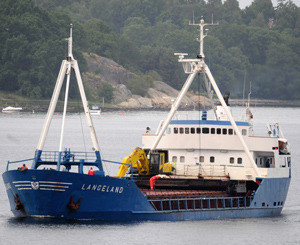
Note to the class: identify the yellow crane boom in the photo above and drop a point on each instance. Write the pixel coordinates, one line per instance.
(137, 159)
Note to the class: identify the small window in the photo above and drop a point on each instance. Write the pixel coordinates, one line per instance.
(201, 159)
(192, 130)
(174, 159)
(175, 130)
(244, 132)
(218, 131)
(168, 130)
(181, 130)
(274, 204)
(187, 130)
(231, 159)
(224, 130)
(212, 159)
(182, 159)
(205, 130)
(212, 130)
(278, 203)
(263, 204)
(230, 131)
(240, 160)
(198, 130)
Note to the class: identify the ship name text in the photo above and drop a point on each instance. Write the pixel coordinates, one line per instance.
(102, 188)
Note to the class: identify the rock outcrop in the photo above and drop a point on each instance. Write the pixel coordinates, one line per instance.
(110, 71)
(160, 96)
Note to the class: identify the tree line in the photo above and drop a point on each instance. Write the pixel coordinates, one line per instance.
(259, 43)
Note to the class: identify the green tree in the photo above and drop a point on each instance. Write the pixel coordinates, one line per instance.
(105, 91)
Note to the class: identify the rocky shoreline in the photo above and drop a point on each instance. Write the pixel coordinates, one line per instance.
(233, 102)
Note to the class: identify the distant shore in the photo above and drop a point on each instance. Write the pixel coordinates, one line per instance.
(42, 105)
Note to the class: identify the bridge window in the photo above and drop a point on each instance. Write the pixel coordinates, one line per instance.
(224, 130)
(182, 158)
(230, 131)
(198, 130)
(212, 130)
(205, 130)
(212, 159)
(218, 131)
(192, 130)
(168, 130)
(181, 130)
(201, 159)
(231, 159)
(175, 130)
(187, 130)
(240, 160)
(174, 159)
(244, 132)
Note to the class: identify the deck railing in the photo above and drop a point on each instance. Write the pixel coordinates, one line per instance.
(201, 170)
(73, 156)
(21, 162)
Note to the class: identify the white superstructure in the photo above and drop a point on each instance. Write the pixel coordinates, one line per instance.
(220, 148)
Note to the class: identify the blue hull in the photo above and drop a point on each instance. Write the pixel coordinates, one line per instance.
(49, 193)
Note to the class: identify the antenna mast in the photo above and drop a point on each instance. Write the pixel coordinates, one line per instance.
(202, 35)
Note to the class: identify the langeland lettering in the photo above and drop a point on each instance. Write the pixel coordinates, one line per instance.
(102, 188)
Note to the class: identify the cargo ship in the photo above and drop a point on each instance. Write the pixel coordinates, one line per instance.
(188, 170)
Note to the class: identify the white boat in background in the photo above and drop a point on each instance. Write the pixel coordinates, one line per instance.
(12, 109)
(95, 110)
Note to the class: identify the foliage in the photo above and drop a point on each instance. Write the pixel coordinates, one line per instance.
(261, 41)
(105, 91)
(140, 84)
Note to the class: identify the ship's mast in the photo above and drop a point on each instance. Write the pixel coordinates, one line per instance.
(193, 67)
(67, 65)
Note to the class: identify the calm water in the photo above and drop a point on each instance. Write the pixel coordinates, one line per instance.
(118, 135)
